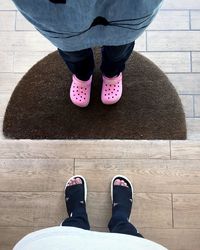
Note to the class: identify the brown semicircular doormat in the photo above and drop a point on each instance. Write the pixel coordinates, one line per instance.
(40, 107)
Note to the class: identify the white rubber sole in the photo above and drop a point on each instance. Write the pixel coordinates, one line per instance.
(118, 176)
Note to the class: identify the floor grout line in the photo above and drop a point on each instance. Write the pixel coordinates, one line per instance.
(172, 203)
(194, 106)
(74, 170)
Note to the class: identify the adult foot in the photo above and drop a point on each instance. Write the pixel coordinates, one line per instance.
(74, 181)
(120, 183)
(75, 194)
(122, 196)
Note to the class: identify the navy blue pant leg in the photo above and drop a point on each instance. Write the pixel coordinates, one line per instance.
(114, 58)
(81, 63)
(79, 219)
(117, 224)
(120, 224)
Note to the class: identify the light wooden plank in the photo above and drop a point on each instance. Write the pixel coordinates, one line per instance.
(150, 210)
(187, 102)
(173, 40)
(186, 210)
(142, 149)
(23, 61)
(32, 209)
(7, 87)
(140, 43)
(48, 209)
(8, 81)
(197, 105)
(9, 236)
(186, 83)
(7, 20)
(1, 129)
(4, 98)
(7, 5)
(35, 175)
(6, 61)
(174, 239)
(24, 40)
(195, 19)
(181, 4)
(195, 61)
(22, 23)
(185, 149)
(165, 20)
(193, 128)
(170, 62)
(155, 176)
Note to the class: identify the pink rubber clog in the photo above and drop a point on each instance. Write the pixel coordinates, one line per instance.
(80, 91)
(111, 89)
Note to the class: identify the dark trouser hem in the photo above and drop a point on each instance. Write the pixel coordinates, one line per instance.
(114, 58)
(119, 224)
(81, 62)
(79, 219)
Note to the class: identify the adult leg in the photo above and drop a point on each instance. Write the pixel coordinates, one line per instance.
(79, 219)
(81, 62)
(119, 224)
(75, 203)
(121, 209)
(114, 58)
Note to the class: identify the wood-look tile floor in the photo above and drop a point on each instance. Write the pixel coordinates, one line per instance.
(165, 174)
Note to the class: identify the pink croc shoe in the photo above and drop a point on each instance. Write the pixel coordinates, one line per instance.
(80, 91)
(111, 89)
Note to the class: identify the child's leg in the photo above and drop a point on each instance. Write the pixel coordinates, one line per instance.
(81, 63)
(114, 58)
